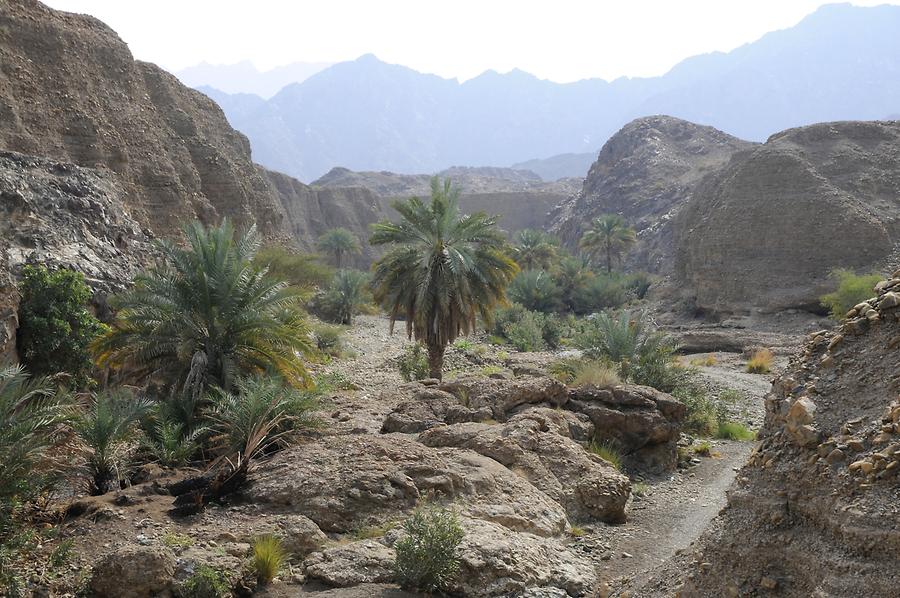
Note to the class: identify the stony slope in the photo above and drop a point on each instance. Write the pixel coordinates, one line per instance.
(765, 231)
(646, 172)
(815, 511)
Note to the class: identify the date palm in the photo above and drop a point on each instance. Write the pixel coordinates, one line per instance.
(338, 243)
(535, 250)
(443, 270)
(609, 235)
(206, 316)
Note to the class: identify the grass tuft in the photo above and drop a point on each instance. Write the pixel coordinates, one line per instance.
(760, 362)
(735, 431)
(607, 451)
(268, 558)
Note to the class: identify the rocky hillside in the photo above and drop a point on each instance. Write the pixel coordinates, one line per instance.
(765, 231)
(815, 511)
(646, 172)
(61, 215)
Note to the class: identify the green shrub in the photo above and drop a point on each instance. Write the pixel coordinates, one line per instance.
(205, 582)
(268, 558)
(599, 292)
(427, 558)
(413, 364)
(551, 330)
(526, 334)
(535, 290)
(606, 450)
(464, 345)
(640, 489)
(638, 284)
(170, 443)
(55, 326)
(504, 316)
(852, 289)
(734, 431)
(702, 417)
(304, 270)
(328, 339)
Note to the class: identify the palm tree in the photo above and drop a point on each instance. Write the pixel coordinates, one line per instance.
(535, 250)
(611, 235)
(571, 277)
(207, 316)
(443, 271)
(31, 414)
(338, 242)
(347, 294)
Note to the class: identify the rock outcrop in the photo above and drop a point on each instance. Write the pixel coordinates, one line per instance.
(134, 572)
(642, 423)
(765, 231)
(646, 172)
(815, 511)
(61, 215)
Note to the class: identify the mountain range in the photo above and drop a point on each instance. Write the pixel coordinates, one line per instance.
(244, 77)
(840, 63)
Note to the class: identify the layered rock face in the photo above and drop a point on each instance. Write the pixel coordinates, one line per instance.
(646, 172)
(61, 215)
(767, 229)
(70, 90)
(815, 511)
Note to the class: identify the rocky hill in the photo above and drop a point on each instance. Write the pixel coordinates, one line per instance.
(646, 172)
(815, 511)
(765, 231)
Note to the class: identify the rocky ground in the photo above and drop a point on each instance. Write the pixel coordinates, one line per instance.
(539, 511)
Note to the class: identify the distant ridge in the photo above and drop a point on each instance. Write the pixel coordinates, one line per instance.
(840, 63)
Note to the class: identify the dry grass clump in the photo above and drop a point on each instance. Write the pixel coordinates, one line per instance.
(760, 362)
(705, 361)
(268, 558)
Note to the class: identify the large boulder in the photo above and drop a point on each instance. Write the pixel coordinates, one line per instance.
(502, 395)
(344, 483)
(134, 572)
(365, 561)
(585, 485)
(643, 423)
(429, 407)
(498, 562)
(766, 231)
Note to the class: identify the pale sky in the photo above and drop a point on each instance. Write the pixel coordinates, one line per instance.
(560, 40)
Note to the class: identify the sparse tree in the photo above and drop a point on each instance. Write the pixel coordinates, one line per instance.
(609, 236)
(443, 270)
(339, 243)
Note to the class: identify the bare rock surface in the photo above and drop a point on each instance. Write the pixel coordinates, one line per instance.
(766, 230)
(585, 485)
(372, 479)
(366, 561)
(135, 572)
(501, 396)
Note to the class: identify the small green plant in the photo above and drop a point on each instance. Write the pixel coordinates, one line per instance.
(640, 489)
(463, 345)
(526, 334)
(347, 295)
(61, 553)
(55, 325)
(703, 448)
(176, 540)
(490, 370)
(734, 431)
(170, 444)
(427, 555)
(702, 416)
(576, 531)
(706, 361)
(595, 373)
(413, 364)
(328, 339)
(852, 289)
(760, 362)
(607, 451)
(373, 531)
(205, 582)
(268, 558)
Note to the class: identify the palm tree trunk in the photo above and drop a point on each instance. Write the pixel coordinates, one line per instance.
(608, 256)
(435, 360)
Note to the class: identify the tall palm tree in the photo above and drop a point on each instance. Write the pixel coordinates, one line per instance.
(207, 315)
(535, 250)
(348, 294)
(339, 242)
(610, 235)
(443, 271)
